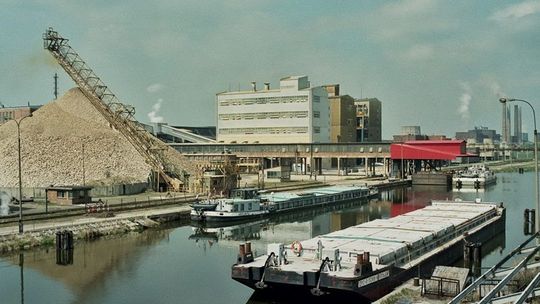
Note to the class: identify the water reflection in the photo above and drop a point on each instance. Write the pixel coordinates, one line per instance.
(192, 264)
(92, 262)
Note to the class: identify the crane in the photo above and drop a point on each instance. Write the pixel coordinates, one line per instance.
(164, 160)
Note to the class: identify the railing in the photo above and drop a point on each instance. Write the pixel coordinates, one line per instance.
(439, 286)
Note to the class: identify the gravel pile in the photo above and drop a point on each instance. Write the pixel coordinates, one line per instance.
(52, 148)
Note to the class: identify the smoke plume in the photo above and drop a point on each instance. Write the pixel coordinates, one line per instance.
(153, 115)
(465, 101)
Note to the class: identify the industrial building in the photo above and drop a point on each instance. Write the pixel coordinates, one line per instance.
(295, 112)
(9, 113)
(479, 135)
(342, 115)
(409, 133)
(368, 120)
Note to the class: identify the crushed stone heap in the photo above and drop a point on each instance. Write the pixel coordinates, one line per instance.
(52, 148)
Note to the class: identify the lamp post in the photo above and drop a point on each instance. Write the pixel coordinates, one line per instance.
(537, 220)
(18, 122)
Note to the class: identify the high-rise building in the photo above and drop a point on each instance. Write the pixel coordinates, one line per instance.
(368, 120)
(296, 112)
(342, 115)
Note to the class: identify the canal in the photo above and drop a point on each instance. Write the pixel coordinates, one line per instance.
(184, 264)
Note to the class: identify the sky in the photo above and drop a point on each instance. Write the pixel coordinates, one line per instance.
(441, 65)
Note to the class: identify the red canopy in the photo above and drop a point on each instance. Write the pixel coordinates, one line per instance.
(429, 149)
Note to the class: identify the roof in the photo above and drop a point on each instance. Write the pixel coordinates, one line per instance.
(438, 142)
(293, 77)
(69, 188)
(429, 149)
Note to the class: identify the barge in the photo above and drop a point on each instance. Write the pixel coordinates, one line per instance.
(249, 203)
(372, 258)
(476, 176)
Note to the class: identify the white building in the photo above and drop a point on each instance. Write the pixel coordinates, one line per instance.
(294, 113)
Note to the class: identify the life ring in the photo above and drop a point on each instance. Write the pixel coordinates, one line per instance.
(296, 247)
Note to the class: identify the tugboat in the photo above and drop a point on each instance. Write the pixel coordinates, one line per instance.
(242, 203)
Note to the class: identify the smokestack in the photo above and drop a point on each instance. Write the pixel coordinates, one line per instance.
(516, 124)
(254, 86)
(267, 86)
(520, 125)
(508, 126)
(503, 122)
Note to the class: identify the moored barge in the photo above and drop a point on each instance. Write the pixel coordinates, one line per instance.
(246, 203)
(372, 258)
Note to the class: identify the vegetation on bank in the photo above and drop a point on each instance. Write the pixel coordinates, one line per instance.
(47, 238)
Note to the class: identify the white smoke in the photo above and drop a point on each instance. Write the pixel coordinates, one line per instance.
(465, 101)
(155, 87)
(153, 115)
(496, 89)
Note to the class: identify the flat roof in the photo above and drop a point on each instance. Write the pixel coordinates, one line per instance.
(68, 188)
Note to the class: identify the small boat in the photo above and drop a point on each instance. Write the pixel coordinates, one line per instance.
(246, 203)
(206, 205)
(476, 176)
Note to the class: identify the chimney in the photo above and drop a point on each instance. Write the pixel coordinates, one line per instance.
(254, 86)
(267, 86)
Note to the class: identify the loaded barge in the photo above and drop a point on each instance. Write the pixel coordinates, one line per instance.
(476, 176)
(246, 203)
(372, 258)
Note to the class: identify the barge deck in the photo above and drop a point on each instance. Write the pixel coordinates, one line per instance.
(372, 258)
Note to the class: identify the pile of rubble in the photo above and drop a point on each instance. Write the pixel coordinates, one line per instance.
(62, 138)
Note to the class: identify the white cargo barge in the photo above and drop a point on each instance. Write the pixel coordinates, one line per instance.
(371, 258)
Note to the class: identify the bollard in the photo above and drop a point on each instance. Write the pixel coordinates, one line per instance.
(248, 247)
(242, 249)
(467, 254)
(532, 220)
(526, 222)
(366, 257)
(477, 259)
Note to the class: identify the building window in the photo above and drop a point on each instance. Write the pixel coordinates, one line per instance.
(263, 100)
(316, 98)
(316, 114)
(316, 129)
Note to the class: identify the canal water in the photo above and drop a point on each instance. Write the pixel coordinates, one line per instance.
(184, 264)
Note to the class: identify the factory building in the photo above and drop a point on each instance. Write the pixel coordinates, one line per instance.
(368, 120)
(295, 112)
(342, 115)
(10, 113)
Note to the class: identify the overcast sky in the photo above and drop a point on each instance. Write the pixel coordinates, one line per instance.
(437, 64)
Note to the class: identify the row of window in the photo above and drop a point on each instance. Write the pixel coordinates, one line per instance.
(290, 130)
(5, 116)
(263, 100)
(265, 115)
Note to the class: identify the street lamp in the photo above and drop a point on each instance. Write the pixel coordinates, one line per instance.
(18, 122)
(537, 220)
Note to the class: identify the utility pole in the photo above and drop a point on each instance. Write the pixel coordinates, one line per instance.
(55, 85)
